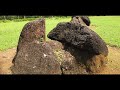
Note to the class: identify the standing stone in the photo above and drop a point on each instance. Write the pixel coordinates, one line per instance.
(34, 56)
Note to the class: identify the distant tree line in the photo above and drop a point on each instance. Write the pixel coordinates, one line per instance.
(12, 17)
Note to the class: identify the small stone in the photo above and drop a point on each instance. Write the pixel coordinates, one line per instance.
(34, 67)
(44, 55)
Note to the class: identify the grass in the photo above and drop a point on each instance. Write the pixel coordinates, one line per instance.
(10, 31)
(108, 27)
(9, 34)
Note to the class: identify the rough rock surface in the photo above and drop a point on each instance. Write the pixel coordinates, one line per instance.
(34, 56)
(33, 31)
(84, 20)
(83, 50)
(79, 36)
(74, 49)
(68, 62)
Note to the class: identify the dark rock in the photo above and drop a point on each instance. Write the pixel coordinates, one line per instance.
(79, 36)
(34, 56)
(83, 50)
(84, 20)
(74, 49)
(69, 63)
(82, 62)
(75, 61)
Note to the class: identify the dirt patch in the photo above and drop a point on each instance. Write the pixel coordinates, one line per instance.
(113, 65)
(6, 60)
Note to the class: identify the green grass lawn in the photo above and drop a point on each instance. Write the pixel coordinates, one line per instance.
(108, 27)
(9, 34)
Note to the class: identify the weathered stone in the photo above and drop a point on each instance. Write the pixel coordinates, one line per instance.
(83, 52)
(79, 36)
(75, 61)
(34, 56)
(68, 62)
(96, 63)
(74, 49)
(33, 31)
(82, 62)
(84, 20)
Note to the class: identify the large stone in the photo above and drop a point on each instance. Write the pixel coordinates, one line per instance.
(74, 49)
(33, 31)
(74, 61)
(68, 62)
(83, 50)
(79, 36)
(34, 56)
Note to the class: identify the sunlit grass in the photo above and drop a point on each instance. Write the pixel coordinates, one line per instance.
(108, 27)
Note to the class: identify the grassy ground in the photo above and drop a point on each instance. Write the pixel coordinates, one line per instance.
(9, 34)
(108, 27)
